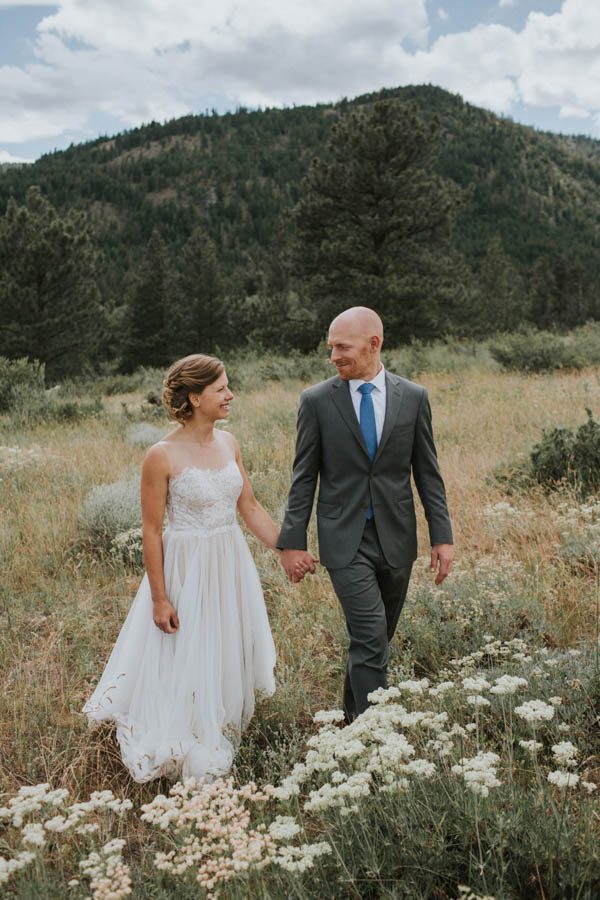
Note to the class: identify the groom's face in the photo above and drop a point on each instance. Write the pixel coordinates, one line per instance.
(351, 353)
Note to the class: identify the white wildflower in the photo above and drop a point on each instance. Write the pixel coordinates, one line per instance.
(421, 768)
(382, 695)
(299, 859)
(508, 684)
(589, 786)
(87, 828)
(113, 846)
(563, 779)
(477, 700)
(441, 688)
(328, 716)
(476, 685)
(284, 828)
(531, 746)
(535, 711)
(414, 687)
(33, 834)
(479, 772)
(565, 753)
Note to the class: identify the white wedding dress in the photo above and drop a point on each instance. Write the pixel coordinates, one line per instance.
(181, 701)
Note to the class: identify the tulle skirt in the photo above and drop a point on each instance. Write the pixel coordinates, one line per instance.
(181, 701)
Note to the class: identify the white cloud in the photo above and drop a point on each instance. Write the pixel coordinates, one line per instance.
(7, 4)
(146, 59)
(442, 14)
(573, 112)
(503, 3)
(6, 157)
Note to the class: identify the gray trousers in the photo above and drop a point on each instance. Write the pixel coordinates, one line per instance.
(372, 595)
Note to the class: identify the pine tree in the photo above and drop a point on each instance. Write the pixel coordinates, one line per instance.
(543, 294)
(49, 301)
(146, 341)
(371, 213)
(200, 323)
(503, 302)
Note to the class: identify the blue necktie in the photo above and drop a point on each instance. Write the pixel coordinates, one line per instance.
(367, 425)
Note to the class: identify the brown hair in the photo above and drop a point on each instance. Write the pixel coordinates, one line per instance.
(189, 375)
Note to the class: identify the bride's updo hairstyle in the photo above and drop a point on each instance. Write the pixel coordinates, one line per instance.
(189, 375)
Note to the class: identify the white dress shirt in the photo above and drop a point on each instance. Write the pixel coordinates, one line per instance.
(377, 394)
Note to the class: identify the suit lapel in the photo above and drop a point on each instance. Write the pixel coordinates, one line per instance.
(393, 401)
(343, 402)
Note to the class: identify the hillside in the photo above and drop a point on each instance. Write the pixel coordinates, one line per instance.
(238, 172)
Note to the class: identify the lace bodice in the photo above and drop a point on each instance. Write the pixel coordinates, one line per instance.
(204, 499)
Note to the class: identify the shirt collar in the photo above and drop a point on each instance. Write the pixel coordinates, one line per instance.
(378, 382)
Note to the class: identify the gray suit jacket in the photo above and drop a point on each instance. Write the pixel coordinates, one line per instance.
(330, 447)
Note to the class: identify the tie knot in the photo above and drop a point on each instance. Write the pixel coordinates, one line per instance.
(366, 388)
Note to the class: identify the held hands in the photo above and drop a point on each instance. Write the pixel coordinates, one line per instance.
(165, 616)
(297, 563)
(442, 556)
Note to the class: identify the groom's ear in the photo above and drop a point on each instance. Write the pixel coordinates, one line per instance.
(375, 342)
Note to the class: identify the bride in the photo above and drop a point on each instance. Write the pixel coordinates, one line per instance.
(196, 645)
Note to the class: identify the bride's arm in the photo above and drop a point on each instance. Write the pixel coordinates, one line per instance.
(254, 515)
(155, 480)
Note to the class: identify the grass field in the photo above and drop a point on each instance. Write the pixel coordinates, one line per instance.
(62, 603)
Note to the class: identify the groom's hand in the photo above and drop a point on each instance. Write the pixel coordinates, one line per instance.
(442, 556)
(297, 563)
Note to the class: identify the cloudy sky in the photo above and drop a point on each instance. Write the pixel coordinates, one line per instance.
(73, 69)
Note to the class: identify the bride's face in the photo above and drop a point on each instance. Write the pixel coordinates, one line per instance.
(213, 402)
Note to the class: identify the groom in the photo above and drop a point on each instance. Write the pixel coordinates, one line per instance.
(360, 434)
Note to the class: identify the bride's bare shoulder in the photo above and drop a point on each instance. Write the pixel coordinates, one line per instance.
(157, 460)
(229, 440)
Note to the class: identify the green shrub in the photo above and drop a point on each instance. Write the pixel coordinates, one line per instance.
(34, 409)
(535, 351)
(586, 340)
(127, 547)
(448, 355)
(143, 379)
(567, 457)
(18, 379)
(112, 509)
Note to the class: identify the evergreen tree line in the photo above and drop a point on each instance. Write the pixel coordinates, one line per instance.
(372, 225)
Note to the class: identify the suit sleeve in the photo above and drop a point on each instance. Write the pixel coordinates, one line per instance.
(428, 478)
(305, 473)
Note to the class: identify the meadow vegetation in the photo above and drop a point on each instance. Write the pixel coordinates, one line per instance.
(476, 774)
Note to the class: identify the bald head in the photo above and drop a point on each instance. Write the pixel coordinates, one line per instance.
(360, 320)
(355, 338)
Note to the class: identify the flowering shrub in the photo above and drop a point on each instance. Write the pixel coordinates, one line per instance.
(579, 528)
(440, 778)
(503, 518)
(59, 824)
(112, 509)
(127, 547)
(489, 597)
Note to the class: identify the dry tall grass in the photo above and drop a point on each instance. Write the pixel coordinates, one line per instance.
(61, 607)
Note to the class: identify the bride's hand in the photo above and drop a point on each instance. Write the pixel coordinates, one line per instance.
(165, 616)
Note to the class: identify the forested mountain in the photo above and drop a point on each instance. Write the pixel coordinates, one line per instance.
(237, 172)
(531, 216)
